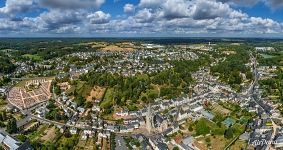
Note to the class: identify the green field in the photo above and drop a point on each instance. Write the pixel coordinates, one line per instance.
(35, 135)
(33, 57)
(81, 88)
(107, 100)
(267, 56)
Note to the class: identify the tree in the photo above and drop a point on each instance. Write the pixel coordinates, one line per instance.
(57, 90)
(51, 105)
(80, 100)
(88, 104)
(191, 128)
(4, 116)
(207, 140)
(202, 128)
(12, 125)
(1, 117)
(88, 117)
(175, 148)
(21, 137)
(229, 133)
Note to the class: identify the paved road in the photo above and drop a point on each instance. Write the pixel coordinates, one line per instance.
(250, 91)
(255, 99)
(23, 121)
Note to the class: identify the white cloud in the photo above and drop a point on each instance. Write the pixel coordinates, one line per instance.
(150, 3)
(175, 9)
(150, 17)
(128, 8)
(268, 23)
(99, 17)
(144, 15)
(17, 6)
(204, 9)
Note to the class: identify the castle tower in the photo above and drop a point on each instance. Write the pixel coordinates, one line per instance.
(149, 119)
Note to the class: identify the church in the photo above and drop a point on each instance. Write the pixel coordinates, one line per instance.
(155, 122)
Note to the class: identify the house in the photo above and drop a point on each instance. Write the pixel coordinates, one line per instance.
(187, 143)
(245, 136)
(207, 115)
(95, 108)
(10, 143)
(279, 142)
(73, 130)
(3, 91)
(252, 109)
(135, 124)
(41, 111)
(130, 128)
(126, 129)
(88, 132)
(156, 144)
(123, 113)
(264, 49)
(62, 128)
(11, 108)
(171, 130)
(133, 113)
(81, 109)
(263, 129)
(183, 114)
(107, 133)
(84, 137)
(229, 122)
(197, 107)
(110, 128)
(141, 121)
(143, 141)
(73, 104)
(65, 98)
(123, 129)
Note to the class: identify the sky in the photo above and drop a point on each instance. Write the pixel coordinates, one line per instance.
(141, 18)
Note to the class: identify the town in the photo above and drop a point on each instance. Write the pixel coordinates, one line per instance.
(139, 95)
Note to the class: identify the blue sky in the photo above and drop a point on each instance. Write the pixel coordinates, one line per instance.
(134, 18)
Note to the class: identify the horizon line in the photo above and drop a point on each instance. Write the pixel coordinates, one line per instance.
(142, 37)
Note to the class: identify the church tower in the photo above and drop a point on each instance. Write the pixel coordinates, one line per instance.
(149, 119)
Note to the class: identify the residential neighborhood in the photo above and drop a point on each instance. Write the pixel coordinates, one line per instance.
(77, 97)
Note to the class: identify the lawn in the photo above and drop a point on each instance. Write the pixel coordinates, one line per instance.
(215, 139)
(86, 144)
(33, 57)
(81, 88)
(49, 135)
(215, 142)
(2, 104)
(107, 100)
(37, 134)
(238, 145)
(65, 143)
(267, 56)
(218, 142)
